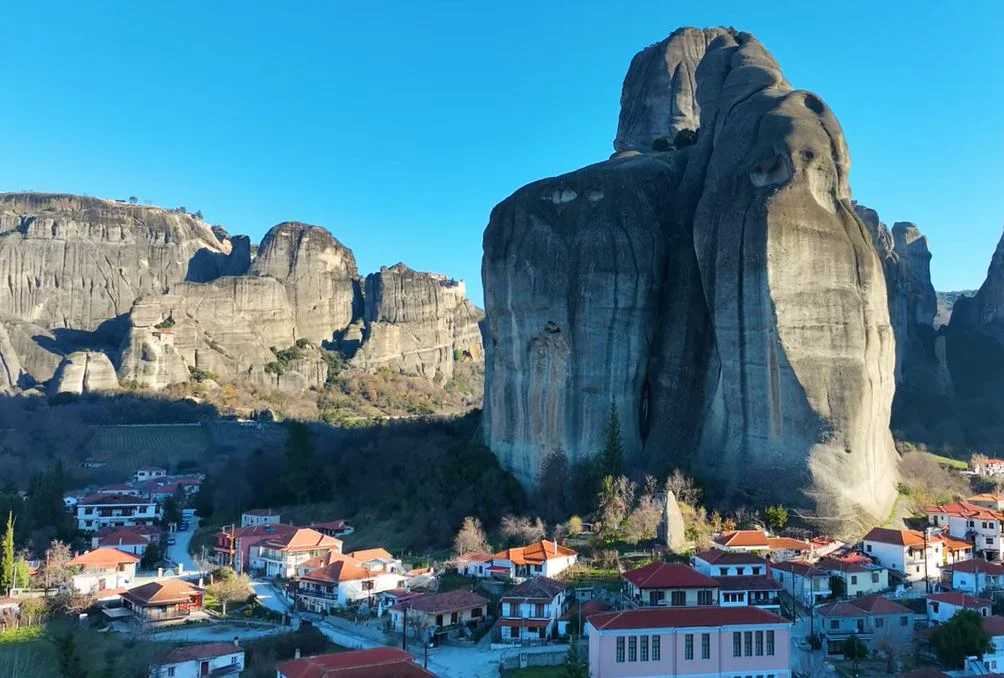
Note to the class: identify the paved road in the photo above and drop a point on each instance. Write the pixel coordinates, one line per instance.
(178, 552)
(268, 597)
(216, 633)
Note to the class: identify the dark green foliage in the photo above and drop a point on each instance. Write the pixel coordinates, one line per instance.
(776, 516)
(172, 511)
(302, 343)
(165, 324)
(275, 368)
(854, 649)
(260, 654)
(7, 572)
(303, 475)
(70, 665)
(611, 460)
(198, 374)
(575, 665)
(684, 138)
(661, 144)
(335, 367)
(961, 636)
(152, 555)
(838, 588)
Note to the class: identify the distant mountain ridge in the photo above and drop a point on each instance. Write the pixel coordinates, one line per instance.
(946, 304)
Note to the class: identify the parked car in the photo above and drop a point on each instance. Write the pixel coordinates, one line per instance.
(171, 541)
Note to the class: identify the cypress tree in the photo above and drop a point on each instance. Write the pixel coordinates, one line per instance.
(612, 456)
(7, 573)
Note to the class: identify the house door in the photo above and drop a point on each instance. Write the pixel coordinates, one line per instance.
(204, 668)
(653, 597)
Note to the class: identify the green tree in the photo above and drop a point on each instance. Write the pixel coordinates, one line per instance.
(22, 575)
(838, 588)
(70, 665)
(7, 573)
(152, 555)
(172, 512)
(684, 138)
(855, 650)
(612, 455)
(575, 666)
(776, 516)
(961, 636)
(303, 477)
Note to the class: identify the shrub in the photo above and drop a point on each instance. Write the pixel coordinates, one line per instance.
(661, 144)
(684, 138)
(302, 342)
(275, 368)
(165, 324)
(200, 375)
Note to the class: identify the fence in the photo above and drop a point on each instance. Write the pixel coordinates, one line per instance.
(552, 655)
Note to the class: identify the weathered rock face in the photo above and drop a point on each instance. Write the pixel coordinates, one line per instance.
(984, 311)
(319, 274)
(417, 322)
(10, 364)
(657, 99)
(727, 288)
(85, 372)
(74, 262)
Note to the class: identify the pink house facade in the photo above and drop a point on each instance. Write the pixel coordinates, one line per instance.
(736, 642)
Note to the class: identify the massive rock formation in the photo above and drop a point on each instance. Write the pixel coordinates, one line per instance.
(658, 96)
(419, 322)
(85, 372)
(319, 274)
(984, 311)
(724, 296)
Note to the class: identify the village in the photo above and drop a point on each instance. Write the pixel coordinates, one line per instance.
(757, 599)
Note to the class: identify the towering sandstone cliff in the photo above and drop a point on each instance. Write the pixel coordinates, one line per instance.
(724, 296)
(98, 287)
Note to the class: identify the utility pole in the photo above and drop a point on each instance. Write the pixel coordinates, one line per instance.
(927, 581)
(404, 628)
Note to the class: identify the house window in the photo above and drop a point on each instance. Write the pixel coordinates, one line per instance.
(705, 646)
(990, 541)
(759, 643)
(643, 655)
(879, 622)
(538, 610)
(756, 569)
(861, 625)
(704, 598)
(748, 643)
(770, 643)
(723, 571)
(854, 579)
(633, 649)
(875, 577)
(688, 646)
(476, 613)
(170, 671)
(620, 649)
(678, 598)
(454, 617)
(656, 648)
(903, 621)
(737, 644)
(868, 548)
(514, 633)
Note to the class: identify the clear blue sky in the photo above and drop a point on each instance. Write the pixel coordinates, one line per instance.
(398, 125)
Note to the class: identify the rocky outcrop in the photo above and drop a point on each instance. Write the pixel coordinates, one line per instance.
(318, 272)
(658, 98)
(10, 364)
(983, 313)
(74, 262)
(946, 304)
(420, 323)
(85, 372)
(724, 296)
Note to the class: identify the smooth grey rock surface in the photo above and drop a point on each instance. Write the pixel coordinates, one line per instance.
(85, 372)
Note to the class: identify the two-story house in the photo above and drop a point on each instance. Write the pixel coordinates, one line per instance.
(980, 526)
(760, 590)
(859, 574)
(333, 528)
(439, 612)
(543, 558)
(260, 517)
(802, 580)
(993, 662)
(670, 584)
(473, 564)
(530, 611)
(721, 563)
(340, 581)
(761, 543)
(975, 576)
(280, 555)
(987, 466)
(379, 560)
(116, 510)
(911, 554)
(135, 539)
(232, 545)
(145, 473)
(870, 618)
(942, 606)
(699, 642)
(196, 661)
(163, 600)
(101, 569)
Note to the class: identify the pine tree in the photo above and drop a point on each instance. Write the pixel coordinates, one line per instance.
(612, 456)
(7, 572)
(574, 666)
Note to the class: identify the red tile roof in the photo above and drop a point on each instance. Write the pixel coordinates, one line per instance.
(334, 525)
(743, 538)
(378, 662)
(837, 565)
(855, 607)
(681, 617)
(959, 599)
(538, 588)
(994, 625)
(660, 575)
(340, 568)
(104, 558)
(800, 567)
(202, 651)
(161, 592)
(975, 565)
(278, 529)
(787, 543)
(123, 536)
(474, 557)
(304, 539)
(748, 582)
(721, 557)
(373, 554)
(590, 607)
(103, 499)
(436, 603)
(885, 535)
(966, 510)
(535, 553)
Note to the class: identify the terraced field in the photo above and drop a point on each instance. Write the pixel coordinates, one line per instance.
(149, 444)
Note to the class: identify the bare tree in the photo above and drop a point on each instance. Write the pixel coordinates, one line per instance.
(615, 502)
(683, 489)
(55, 570)
(522, 529)
(643, 521)
(471, 537)
(812, 666)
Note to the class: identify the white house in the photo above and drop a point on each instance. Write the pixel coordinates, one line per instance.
(980, 526)
(530, 611)
(115, 510)
(942, 606)
(987, 466)
(149, 473)
(543, 558)
(195, 661)
(281, 555)
(802, 580)
(759, 542)
(259, 517)
(342, 581)
(860, 576)
(721, 563)
(910, 553)
(993, 662)
(103, 568)
(474, 564)
(974, 576)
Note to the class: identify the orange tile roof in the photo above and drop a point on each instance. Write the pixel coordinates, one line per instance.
(535, 553)
(161, 592)
(885, 535)
(953, 544)
(373, 554)
(341, 568)
(681, 617)
(104, 558)
(744, 538)
(870, 604)
(959, 599)
(776, 543)
(474, 557)
(668, 576)
(377, 662)
(966, 510)
(304, 539)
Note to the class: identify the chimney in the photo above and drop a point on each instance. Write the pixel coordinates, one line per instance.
(296, 653)
(237, 641)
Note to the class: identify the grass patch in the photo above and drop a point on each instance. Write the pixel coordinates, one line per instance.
(539, 672)
(23, 634)
(452, 581)
(957, 464)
